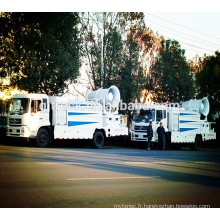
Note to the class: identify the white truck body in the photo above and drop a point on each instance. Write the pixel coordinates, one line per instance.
(63, 118)
(182, 124)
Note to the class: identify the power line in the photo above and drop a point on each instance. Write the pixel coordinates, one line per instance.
(195, 46)
(184, 37)
(197, 51)
(180, 32)
(184, 33)
(192, 45)
(183, 26)
(186, 47)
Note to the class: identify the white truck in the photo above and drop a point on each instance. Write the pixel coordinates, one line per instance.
(184, 123)
(56, 117)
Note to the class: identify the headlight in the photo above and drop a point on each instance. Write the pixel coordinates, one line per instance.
(22, 130)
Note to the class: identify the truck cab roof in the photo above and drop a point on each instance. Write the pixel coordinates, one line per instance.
(31, 96)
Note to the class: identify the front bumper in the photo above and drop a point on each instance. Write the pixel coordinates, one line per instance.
(18, 131)
(138, 136)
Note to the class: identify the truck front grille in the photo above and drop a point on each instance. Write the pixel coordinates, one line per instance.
(140, 128)
(14, 121)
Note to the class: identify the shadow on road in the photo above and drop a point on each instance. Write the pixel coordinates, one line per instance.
(95, 159)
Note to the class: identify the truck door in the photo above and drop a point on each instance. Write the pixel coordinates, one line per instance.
(39, 113)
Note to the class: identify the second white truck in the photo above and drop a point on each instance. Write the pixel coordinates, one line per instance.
(183, 123)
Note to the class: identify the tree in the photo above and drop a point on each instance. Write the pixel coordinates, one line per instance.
(113, 60)
(171, 77)
(46, 48)
(196, 64)
(208, 82)
(131, 75)
(8, 56)
(94, 27)
(119, 30)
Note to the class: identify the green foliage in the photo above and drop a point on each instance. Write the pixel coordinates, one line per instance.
(121, 66)
(8, 56)
(4, 106)
(131, 74)
(171, 75)
(46, 50)
(113, 57)
(208, 82)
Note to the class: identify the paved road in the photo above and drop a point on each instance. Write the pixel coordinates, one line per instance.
(85, 177)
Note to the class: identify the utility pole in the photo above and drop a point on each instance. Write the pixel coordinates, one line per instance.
(102, 51)
(101, 20)
(102, 60)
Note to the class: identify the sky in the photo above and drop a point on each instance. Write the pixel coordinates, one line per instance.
(198, 33)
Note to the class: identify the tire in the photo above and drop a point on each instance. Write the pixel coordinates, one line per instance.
(43, 138)
(98, 140)
(197, 144)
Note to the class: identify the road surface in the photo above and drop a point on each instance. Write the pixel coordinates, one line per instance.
(110, 177)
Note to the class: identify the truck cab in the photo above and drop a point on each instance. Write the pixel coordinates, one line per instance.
(27, 114)
(142, 116)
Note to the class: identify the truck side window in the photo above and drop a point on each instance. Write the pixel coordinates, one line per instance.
(159, 115)
(32, 106)
(45, 104)
(164, 113)
(38, 104)
(35, 106)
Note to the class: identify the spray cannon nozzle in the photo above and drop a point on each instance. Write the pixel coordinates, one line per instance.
(202, 105)
(110, 96)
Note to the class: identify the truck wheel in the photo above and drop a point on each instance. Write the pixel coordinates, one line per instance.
(197, 144)
(98, 139)
(42, 138)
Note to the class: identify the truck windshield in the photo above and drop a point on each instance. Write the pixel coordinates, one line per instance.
(19, 106)
(144, 115)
